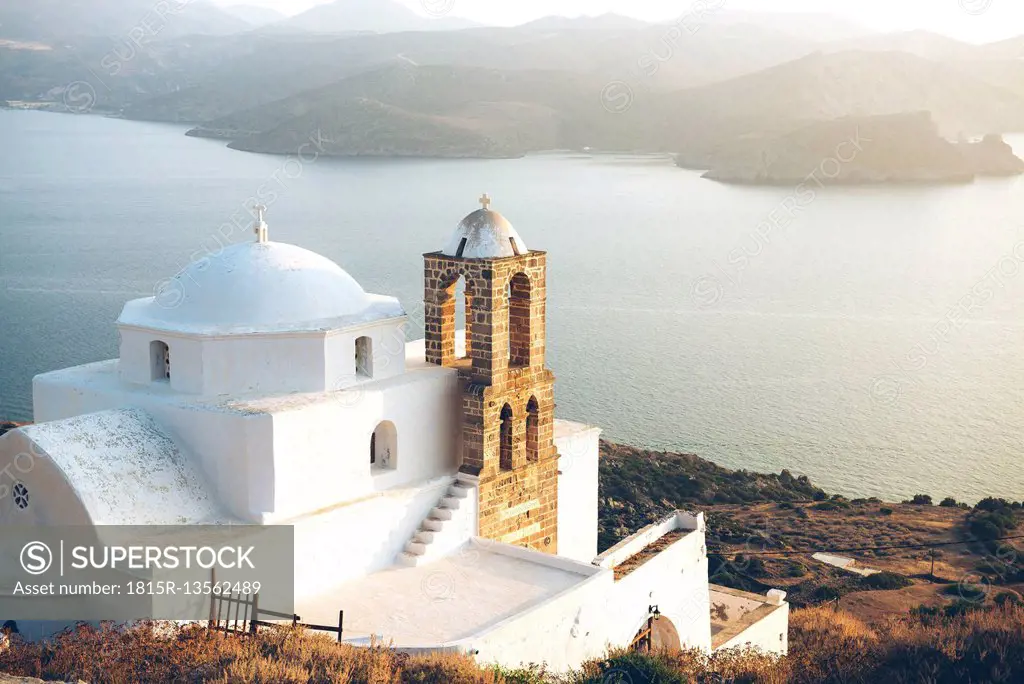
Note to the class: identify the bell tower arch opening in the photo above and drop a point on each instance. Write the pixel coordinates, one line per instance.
(519, 319)
(506, 439)
(532, 430)
(454, 307)
(508, 391)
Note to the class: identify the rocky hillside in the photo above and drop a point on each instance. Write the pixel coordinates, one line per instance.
(638, 486)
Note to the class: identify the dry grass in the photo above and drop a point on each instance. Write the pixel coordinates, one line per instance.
(825, 646)
(194, 654)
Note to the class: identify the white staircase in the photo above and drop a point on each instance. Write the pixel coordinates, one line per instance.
(447, 526)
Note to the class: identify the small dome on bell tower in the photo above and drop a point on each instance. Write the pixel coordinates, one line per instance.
(485, 234)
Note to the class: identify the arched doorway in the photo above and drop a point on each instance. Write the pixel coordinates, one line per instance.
(656, 634)
(384, 447)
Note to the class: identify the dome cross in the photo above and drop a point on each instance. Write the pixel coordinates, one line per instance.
(260, 228)
(485, 202)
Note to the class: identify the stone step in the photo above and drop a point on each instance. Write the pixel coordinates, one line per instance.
(409, 560)
(441, 513)
(433, 524)
(424, 536)
(415, 548)
(451, 502)
(459, 491)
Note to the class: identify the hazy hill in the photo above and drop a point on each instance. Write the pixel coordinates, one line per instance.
(924, 44)
(263, 68)
(50, 20)
(830, 86)
(254, 15)
(406, 110)
(818, 27)
(378, 16)
(603, 22)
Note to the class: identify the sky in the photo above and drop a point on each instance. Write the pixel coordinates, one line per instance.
(971, 20)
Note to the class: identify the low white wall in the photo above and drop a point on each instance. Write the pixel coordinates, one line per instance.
(769, 634)
(561, 633)
(638, 541)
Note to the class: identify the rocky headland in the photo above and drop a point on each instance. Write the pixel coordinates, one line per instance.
(900, 148)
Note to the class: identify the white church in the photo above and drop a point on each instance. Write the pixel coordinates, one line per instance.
(433, 494)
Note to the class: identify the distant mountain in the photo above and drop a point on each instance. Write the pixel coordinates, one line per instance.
(254, 15)
(830, 86)
(603, 22)
(812, 26)
(50, 20)
(377, 16)
(406, 110)
(924, 44)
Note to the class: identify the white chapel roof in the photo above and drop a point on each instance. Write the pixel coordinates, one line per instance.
(255, 287)
(488, 235)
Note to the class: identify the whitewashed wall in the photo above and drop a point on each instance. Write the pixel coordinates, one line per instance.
(355, 540)
(277, 459)
(55, 500)
(279, 363)
(561, 632)
(227, 445)
(322, 450)
(578, 449)
(676, 580)
(388, 352)
(769, 634)
(586, 620)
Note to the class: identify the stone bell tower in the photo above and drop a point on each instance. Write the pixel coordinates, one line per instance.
(508, 392)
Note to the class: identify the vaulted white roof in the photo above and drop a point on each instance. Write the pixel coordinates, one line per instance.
(125, 470)
(256, 287)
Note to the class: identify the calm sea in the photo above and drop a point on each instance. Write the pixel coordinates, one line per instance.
(869, 338)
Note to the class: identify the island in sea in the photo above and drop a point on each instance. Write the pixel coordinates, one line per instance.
(898, 148)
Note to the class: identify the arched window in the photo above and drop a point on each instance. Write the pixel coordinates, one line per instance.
(160, 361)
(364, 357)
(506, 438)
(533, 430)
(519, 321)
(384, 446)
